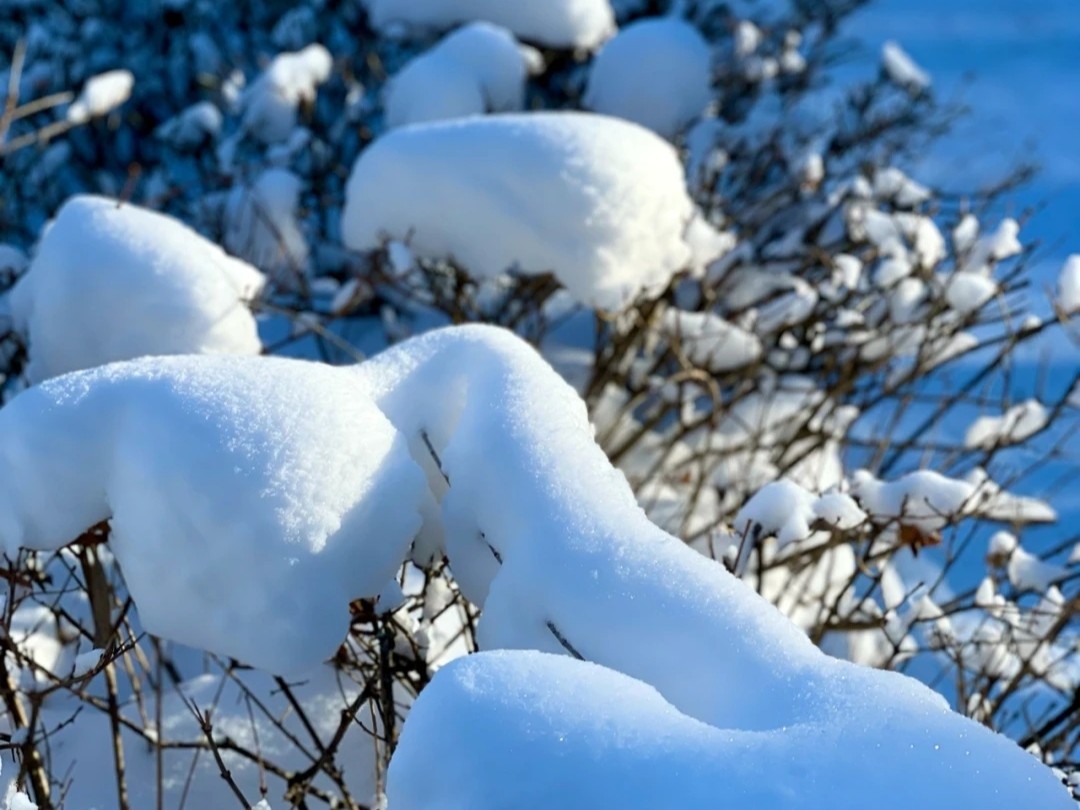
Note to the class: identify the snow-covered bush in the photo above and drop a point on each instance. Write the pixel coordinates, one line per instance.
(771, 337)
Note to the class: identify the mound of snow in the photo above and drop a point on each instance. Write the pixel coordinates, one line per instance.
(1017, 424)
(270, 104)
(113, 281)
(597, 201)
(477, 69)
(101, 95)
(261, 226)
(249, 499)
(556, 23)
(548, 731)
(655, 73)
(1068, 285)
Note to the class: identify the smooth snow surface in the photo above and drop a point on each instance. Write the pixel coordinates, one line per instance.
(556, 23)
(477, 69)
(654, 73)
(249, 499)
(597, 201)
(113, 281)
(547, 537)
(547, 731)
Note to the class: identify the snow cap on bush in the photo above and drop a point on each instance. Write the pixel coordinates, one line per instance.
(599, 202)
(113, 281)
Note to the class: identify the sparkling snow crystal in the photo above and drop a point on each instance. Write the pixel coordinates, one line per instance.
(113, 281)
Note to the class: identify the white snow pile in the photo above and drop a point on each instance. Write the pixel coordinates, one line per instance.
(271, 103)
(477, 69)
(261, 226)
(1026, 571)
(113, 281)
(902, 70)
(101, 95)
(1017, 424)
(249, 499)
(549, 731)
(597, 201)
(712, 343)
(546, 536)
(655, 73)
(555, 23)
(1068, 286)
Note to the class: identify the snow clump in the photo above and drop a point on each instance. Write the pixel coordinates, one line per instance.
(271, 103)
(249, 499)
(113, 281)
(597, 201)
(101, 95)
(555, 23)
(477, 69)
(654, 73)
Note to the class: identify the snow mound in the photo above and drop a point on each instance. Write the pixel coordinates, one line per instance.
(556, 23)
(547, 537)
(249, 499)
(548, 731)
(477, 69)
(101, 95)
(655, 73)
(597, 201)
(113, 281)
(271, 103)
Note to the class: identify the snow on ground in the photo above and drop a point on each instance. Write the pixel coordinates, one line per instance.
(478, 68)
(249, 499)
(571, 734)
(597, 201)
(555, 23)
(113, 281)
(656, 73)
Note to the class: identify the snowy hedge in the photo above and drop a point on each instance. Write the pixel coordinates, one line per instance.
(756, 433)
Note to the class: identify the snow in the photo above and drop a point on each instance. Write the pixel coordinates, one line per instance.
(1068, 285)
(548, 731)
(192, 127)
(249, 499)
(101, 95)
(712, 343)
(559, 568)
(113, 281)
(902, 70)
(555, 23)
(478, 68)
(924, 499)
(1016, 425)
(655, 72)
(967, 293)
(597, 201)
(272, 101)
(261, 226)
(14, 799)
